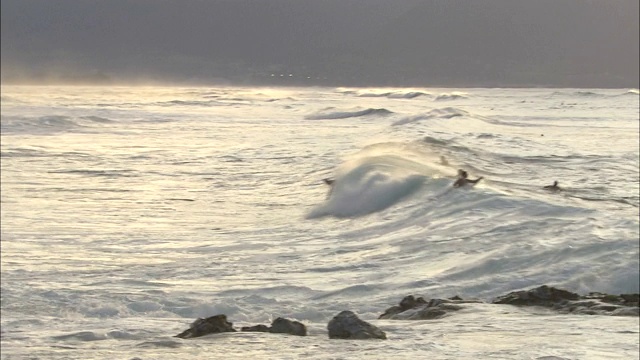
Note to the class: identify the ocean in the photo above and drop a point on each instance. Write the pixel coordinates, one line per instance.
(129, 212)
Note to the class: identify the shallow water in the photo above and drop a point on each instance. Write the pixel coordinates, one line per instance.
(127, 212)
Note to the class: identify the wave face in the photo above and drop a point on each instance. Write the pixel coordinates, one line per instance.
(129, 212)
(348, 114)
(442, 113)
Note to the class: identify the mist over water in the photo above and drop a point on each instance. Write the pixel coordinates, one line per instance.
(127, 212)
(453, 43)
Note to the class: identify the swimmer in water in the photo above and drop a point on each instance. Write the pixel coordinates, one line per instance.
(330, 183)
(553, 187)
(463, 180)
(443, 160)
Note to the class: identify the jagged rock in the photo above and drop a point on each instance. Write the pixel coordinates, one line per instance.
(567, 302)
(408, 302)
(631, 299)
(419, 309)
(346, 325)
(256, 328)
(622, 299)
(284, 326)
(427, 312)
(280, 326)
(210, 325)
(540, 296)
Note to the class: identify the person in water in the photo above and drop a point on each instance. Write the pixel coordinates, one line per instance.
(330, 183)
(464, 180)
(553, 187)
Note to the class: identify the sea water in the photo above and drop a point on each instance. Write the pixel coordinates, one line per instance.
(128, 212)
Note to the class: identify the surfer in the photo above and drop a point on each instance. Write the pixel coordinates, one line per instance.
(330, 183)
(443, 160)
(463, 179)
(553, 187)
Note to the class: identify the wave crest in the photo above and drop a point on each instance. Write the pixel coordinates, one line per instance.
(326, 115)
(442, 113)
(451, 96)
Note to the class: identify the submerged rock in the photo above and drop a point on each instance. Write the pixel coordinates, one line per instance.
(567, 302)
(284, 326)
(346, 325)
(408, 302)
(280, 326)
(562, 301)
(622, 299)
(411, 308)
(211, 325)
(540, 296)
(256, 328)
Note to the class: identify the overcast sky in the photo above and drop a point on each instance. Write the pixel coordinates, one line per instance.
(568, 43)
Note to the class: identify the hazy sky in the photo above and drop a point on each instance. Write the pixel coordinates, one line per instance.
(572, 43)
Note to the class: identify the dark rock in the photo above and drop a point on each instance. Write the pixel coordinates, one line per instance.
(559, 300)
(210, 325)
(563, 301)
(428, 314)
(541, 296)
(612, 299)
(255, 328)
(435, 309)
(280, 326)
(420, 309)
(409, 302)
(622, 299)
(284, 326)
(394, 310)
(346, 325)
(631, 298)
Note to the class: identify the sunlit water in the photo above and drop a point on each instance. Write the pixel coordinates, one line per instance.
(127, 213)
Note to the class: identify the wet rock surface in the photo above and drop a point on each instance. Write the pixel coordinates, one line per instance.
(412, 308)
(280, 326)
(562, 301)
(219, 324)
(347, 325)
(211, 325)
(567, 302)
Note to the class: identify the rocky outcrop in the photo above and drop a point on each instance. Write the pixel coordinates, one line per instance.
(409, 302)
(256, 328)
(411, 308)
(540, 296)
(346, 325)
(280, 326)
(567, 302)
(211, 325)
(219, 324)
(562, 301)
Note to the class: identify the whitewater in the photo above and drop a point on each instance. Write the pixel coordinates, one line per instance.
(128, 212)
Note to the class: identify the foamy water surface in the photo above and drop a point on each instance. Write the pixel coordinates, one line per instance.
(128, 212)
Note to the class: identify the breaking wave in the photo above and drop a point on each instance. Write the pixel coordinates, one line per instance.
(395, 95)
(451, 96)
(326, 115)
(443, 113)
